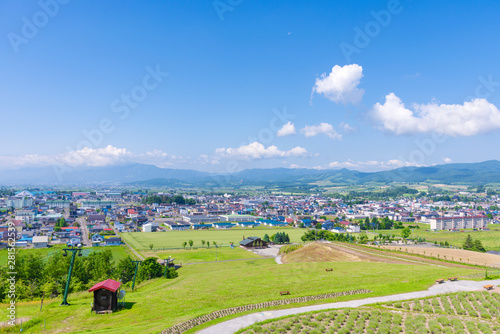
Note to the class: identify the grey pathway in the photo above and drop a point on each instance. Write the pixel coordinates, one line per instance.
(231, 326)
(139, 256)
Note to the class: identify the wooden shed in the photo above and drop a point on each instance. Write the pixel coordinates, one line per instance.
(253, 242)
(105, 296)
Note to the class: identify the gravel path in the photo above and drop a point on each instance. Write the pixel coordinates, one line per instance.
(231, 326)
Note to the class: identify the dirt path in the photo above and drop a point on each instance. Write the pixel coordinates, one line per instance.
(251, 259)
(139, 256)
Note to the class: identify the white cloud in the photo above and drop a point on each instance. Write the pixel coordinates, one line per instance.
(92, 157)
(295, 166)
(447, 160)
(341, 85)
(346, 127)
(108, 155)
(286, 130)
(472, 118)
(322, 128)
(257, 150)
(370, 165)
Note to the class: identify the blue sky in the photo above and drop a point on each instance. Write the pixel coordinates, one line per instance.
(366, 85)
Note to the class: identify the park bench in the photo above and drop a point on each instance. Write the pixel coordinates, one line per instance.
(440, 280)
(453, 278)
(488, 287)
(284, 293)
(329, 269)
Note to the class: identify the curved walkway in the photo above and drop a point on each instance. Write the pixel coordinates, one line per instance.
(231, 326)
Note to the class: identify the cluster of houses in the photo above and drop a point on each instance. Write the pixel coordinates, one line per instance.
(45, 218)
(35, 214)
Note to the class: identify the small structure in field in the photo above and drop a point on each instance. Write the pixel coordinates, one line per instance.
(252, 243)
(105, 296)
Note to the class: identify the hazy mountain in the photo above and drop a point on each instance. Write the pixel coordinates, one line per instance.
(148, 175)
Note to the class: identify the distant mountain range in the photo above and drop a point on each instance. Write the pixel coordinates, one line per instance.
(152, 176)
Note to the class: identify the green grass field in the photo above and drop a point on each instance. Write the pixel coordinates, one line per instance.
(204, 288)
(203, 254)
(490, 239)
(174, 239)
(119, 252)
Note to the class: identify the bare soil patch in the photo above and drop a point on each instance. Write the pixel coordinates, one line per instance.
(328, 252)
(456, 255)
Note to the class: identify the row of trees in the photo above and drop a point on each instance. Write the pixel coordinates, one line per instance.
(383, 224)
(161, 199)
(278, 238)
(313, 235)
(38, 275)
(203, 243)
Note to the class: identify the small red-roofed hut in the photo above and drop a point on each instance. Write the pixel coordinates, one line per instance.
(105, 296)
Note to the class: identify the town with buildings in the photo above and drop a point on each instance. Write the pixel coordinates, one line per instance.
(96, 218)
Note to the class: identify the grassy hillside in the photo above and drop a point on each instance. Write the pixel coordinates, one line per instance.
(203, 288)
(203, 254)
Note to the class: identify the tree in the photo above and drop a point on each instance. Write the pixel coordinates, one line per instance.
(125, 270)
(191, 243)
(287, 238)
(203, 242)
(151, 246)
(266, 238)
(478, 246)
(208, 244)
(171, 273)
(406, 232)
(150, 268)
(469, 243)
(318, 226)
(184, 244)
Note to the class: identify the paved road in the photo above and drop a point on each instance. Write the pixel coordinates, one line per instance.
(233, 325)
(85, 232)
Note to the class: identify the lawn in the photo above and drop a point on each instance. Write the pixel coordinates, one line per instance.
(203, 254)
(119, 252)
(489, 239)
(204, 288)
(174, 239)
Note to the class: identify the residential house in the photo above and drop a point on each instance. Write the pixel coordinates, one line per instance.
(40, 241)
(97, 240)
(113, 241)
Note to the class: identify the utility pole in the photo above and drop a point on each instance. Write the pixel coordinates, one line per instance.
(135, 274)
(70, 270)
(166, 267)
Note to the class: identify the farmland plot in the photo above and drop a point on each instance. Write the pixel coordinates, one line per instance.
(464, 312)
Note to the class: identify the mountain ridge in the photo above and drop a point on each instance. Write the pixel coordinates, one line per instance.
(143, 174)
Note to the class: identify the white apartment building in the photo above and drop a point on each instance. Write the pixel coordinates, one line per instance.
(452, 223)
